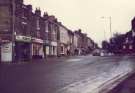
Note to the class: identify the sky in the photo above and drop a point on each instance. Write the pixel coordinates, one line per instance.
(88, 15)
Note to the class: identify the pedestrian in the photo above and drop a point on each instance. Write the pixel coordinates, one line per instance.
(68, 52)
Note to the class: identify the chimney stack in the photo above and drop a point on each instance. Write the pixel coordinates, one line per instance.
(38, 11)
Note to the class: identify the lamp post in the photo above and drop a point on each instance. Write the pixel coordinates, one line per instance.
(110, 23)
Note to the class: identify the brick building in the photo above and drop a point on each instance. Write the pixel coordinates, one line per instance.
(52, 30)
(64, 40)
(82, 43)
(26, 35)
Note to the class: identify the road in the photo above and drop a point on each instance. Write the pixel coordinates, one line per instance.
(82, 74)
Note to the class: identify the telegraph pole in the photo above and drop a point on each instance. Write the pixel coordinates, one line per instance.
(104, 30)
(13, 30)
(110, 23)
(110, 26)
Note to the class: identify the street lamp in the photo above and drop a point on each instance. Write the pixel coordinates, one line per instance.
(110, 22)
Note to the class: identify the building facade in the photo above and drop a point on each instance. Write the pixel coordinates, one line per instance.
(70, 52)
(16, 31)
(51, 38)
(37, 34)
(64, 41)
(27, 35)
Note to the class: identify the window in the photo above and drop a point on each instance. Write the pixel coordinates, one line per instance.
(62, 49)
(38, 34)
(24, 29)
(4, 18)
(47, 50)
(49, 26)
(46, 26)
(38, 25)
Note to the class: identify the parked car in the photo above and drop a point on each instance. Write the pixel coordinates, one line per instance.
(103, 53)
(96, 52)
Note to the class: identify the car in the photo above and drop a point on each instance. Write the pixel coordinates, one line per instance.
(96, 52)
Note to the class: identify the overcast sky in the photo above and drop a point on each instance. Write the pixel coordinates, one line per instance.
(86, 14)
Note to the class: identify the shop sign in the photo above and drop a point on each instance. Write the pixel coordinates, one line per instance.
(23, 38)
(37, 40)
(5, 38)
(6, 52)
(54, 43)
(5, 41)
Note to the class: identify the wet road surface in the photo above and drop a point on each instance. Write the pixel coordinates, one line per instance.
(64, 75)
(126, 86)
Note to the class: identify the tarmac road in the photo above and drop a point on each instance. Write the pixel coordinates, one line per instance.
(82, 74)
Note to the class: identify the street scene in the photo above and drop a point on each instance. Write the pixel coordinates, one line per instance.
(49, 47)
(84, 74)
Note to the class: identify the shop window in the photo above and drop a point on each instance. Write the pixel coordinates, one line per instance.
(62, 49)
(53, 49)
(47, 50)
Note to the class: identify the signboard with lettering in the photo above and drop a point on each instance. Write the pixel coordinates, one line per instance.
(23, 38)
(5, 38)
(6, 52)
(54, 43)
(37, 40)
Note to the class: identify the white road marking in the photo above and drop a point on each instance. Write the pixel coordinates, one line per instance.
(74, 60)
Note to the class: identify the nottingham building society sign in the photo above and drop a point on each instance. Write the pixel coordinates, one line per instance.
(23, 38)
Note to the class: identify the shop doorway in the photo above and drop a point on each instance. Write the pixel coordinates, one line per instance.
(22, 51)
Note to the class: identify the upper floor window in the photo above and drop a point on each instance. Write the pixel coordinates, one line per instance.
(49, 27)
(24, 29)
(46, 26)
(37, 24)
(4, 18)
(38, 34)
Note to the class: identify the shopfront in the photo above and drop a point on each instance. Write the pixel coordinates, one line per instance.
(37, 48)
(53, 49)
(22, 48)
(46, 48)
(63, 49)
(6, 52)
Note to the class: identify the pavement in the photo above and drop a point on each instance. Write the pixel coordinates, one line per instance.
(80, 74)
(126, 86)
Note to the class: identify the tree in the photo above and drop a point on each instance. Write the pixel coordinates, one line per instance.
(116, 42)
(105, 45)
